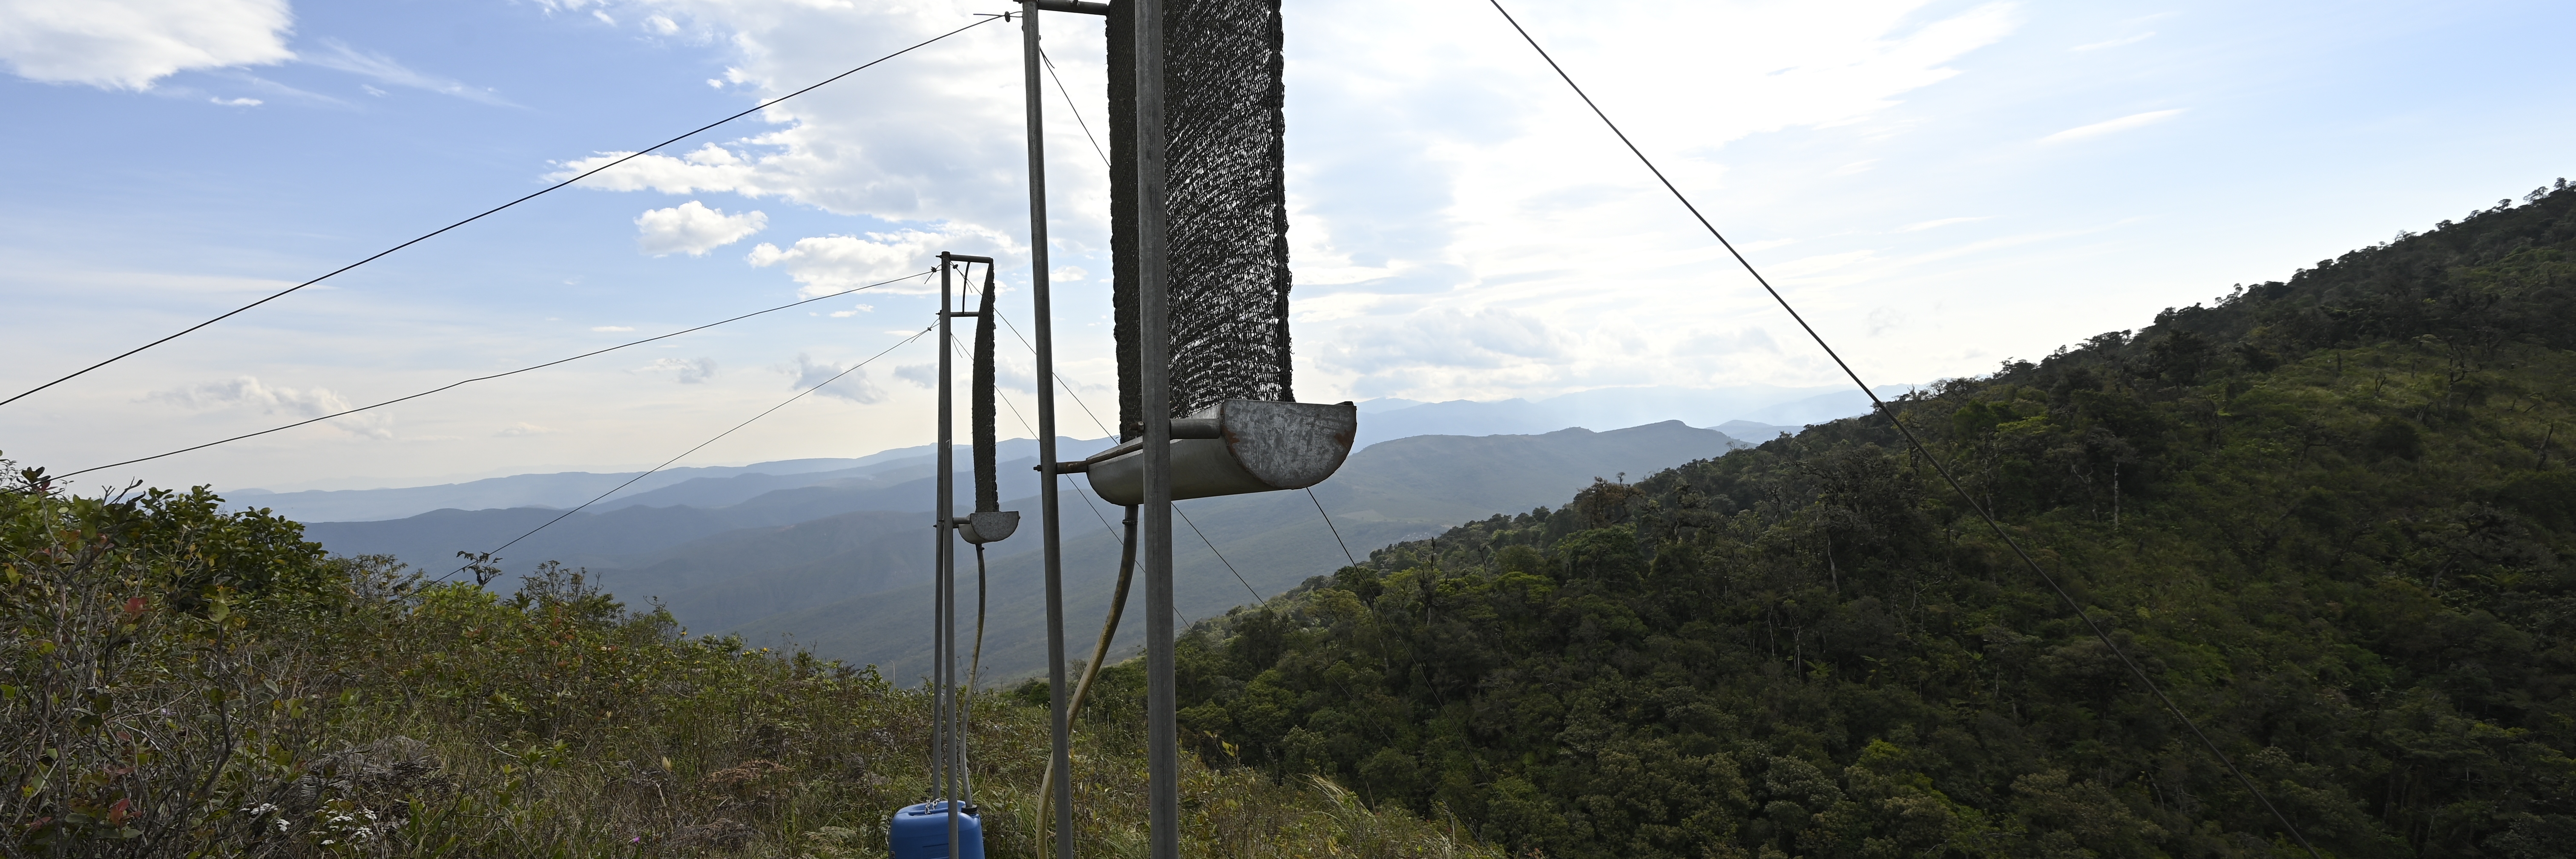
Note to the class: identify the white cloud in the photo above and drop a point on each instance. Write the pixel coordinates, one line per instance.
(1728, 343)
(1883, 320)
(688, 371)
(609, 328)
(829, 264)
(2134, 120)
(250, 392)
(2114, 43)
(1817, 264)
(384, 69)
(1939, 222)
(854, 310)
(1454, 177)
(128, 44)
(922, 375)
(914, 142)
(1444, 187)
(524, 428)
(265, 90)
(692, 228)
(707, 168)
(1488, 338)
(854, 387)
(237, 102)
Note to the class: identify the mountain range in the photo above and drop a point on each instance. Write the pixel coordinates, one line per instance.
(840, 564)
(1755, 412)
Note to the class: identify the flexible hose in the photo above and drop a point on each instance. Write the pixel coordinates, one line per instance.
(1099, 652)
(975, 661)
(974, 668)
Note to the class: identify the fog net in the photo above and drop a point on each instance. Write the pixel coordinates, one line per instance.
(1226, 221)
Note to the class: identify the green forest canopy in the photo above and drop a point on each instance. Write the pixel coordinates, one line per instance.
(2328, 515)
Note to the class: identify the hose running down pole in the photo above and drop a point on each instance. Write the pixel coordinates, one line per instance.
(1052, 785)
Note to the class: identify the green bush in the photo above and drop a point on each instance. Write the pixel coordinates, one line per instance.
(185, 682)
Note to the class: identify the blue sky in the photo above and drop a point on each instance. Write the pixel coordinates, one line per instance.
(1940, 185)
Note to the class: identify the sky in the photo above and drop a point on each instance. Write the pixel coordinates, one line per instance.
(1938, 186)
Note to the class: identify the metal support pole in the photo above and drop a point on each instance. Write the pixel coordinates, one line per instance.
(1060, 760)
(1153, 341)
(946, 646)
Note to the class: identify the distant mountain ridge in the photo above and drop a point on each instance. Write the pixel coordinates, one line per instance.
(696, 486)
(1770, 405)
(1404, 489)
(841, 566)
(1751, 412)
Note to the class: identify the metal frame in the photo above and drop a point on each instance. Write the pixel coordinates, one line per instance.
(948, 727)
(1154, 358)
(1060, 760)
(1153, 346)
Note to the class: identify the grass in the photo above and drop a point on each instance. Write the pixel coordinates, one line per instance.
(181, 682)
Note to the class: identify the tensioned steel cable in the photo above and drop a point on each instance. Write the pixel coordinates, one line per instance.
(1075, 109)
(487, 557)
(1059, 378)
(1328, 523)
(1916, 443)
(1024, 421)
(487, 378)
(1220, 556)
(1113, 532)
(542, 192)
(1086, 498)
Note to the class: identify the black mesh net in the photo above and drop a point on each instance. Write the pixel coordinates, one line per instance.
(1226, 222)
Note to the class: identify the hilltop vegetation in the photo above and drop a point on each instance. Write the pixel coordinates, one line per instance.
(2329, 515)
(178, 681)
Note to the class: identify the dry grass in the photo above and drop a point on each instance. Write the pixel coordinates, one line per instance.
(361, 714)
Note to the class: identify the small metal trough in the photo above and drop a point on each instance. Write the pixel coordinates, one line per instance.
(984, 527)
(1235, 447)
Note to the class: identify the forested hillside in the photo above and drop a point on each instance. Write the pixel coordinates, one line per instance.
(2330, 515)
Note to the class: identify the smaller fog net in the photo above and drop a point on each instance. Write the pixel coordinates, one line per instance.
(1226, 222)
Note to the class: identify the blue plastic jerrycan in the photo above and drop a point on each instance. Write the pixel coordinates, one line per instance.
(921, 832)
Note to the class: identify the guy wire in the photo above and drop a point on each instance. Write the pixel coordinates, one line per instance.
(1328, 523)
(1104, 521)
(486, 378)
(486, 557)
(1916, 443)
(539, 193)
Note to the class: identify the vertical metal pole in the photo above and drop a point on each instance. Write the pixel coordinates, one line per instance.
(1061, 736)
(946, 646)
(1162, 740)
(939, 577)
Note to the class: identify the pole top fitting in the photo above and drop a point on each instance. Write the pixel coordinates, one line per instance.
(1074, 6)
